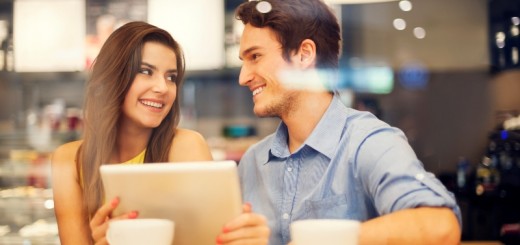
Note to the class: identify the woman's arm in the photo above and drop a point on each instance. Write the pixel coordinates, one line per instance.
(73, 223)
(189, 145)
(68, 204)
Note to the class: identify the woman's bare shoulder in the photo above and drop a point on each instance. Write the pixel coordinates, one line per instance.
(66, 152)
(63, 163)
(185, 134)
(189, 145)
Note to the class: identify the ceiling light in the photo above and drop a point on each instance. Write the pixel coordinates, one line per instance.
(405, 5)
(419, 32)
(399, 24)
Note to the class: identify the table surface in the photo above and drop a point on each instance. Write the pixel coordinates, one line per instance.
(481, 243)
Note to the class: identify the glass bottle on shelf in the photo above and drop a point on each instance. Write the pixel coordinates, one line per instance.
(4, 37)
(483, 176)
(9, 55)
(462, 171)
(488, 170)
(514, 39)
(500, 42)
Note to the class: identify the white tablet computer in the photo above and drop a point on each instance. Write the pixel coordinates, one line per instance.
(200, 197)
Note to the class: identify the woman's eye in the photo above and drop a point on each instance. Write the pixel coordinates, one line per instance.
(145, 71)
(172, 78)
(255, 56)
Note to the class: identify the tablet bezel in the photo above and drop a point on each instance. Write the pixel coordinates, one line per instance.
(200, 197)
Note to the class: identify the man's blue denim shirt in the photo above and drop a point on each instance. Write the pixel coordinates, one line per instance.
(352, 166)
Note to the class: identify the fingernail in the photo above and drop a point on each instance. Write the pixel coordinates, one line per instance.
(225, 229)
(114, 202)
(219, 241)
(133, 214)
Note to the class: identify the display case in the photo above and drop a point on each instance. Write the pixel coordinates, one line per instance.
(26, 201)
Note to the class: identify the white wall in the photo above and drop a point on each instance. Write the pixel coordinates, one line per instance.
(198, 25)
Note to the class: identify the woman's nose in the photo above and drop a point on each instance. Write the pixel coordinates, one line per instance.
(160, 85)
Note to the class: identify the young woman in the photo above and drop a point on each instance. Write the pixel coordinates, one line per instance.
(131, 113)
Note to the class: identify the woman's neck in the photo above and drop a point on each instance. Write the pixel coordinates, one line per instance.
(130, 142)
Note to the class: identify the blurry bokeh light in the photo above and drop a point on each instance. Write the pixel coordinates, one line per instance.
(515, 20)
(264, 7)
(413, 76)
(405, 5)
(355, 1)
(48, 204)
(419, 32)
(399, 24)
(500, 39)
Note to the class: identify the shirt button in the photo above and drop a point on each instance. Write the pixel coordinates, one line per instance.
(289, 169)
(285, 216)
(419, 176)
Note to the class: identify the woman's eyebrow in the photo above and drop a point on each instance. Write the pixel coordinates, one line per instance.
(149, 65)
(155, 68)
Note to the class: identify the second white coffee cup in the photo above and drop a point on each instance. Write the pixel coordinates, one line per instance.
(325, 231)
(141, 231)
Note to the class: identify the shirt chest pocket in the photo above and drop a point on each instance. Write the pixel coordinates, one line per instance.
(333, 207)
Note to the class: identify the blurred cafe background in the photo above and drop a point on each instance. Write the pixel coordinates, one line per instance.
(445, 72)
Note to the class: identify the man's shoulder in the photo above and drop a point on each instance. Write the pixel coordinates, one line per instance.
(362, 125)
(364, 121)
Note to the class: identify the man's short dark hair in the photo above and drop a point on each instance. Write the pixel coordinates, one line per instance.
(296, 20)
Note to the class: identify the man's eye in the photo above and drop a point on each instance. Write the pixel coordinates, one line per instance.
(255, 56)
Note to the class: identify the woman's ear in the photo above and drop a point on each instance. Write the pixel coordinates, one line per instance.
(307, 53)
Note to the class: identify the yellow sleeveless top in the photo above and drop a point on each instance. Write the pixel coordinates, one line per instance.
(139, 159)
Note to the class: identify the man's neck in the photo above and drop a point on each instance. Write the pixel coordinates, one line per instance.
(302, 120)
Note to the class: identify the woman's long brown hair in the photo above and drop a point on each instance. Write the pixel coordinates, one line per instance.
(111, 76)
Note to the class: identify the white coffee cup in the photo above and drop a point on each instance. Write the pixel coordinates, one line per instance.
(140, 231)
(325, 231)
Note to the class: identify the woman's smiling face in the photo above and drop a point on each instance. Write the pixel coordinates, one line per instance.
(153, 91)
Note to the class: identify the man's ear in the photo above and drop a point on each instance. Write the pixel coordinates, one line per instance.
(307, 53)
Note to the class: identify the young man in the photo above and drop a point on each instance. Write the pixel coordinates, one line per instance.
(327, 161)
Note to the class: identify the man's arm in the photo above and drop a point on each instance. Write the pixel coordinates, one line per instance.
(415, 207)
(424, 225)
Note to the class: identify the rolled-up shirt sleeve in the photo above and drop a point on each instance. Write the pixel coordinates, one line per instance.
(393, 176)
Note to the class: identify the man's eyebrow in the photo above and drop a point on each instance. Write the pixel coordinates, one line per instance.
(247, 51)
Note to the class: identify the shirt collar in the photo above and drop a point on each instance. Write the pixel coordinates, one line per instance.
(279, 148)
(326, 135)
(324, 138)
